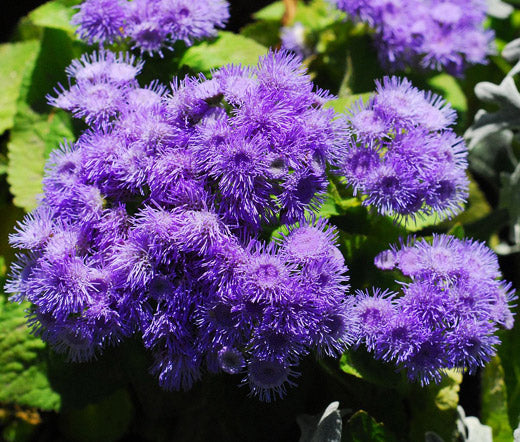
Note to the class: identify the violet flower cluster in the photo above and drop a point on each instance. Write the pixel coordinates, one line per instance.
(449, 311)
(150, 25)
(443, 35)
(149, 224)
(404, 157)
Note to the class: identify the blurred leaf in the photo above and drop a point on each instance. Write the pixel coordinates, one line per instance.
(494, 401)
(317, 15)
(499, 9)
(341, 105)
(265, 33)
(457, 231)
(53, 15)
(363, 428)
(17, 60)
(226, 48)
(105, 420)
(32, 138)
(274, 11)
(23, 370)
(451, 91)
(434, 407)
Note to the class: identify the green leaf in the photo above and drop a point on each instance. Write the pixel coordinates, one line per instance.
(53, 15)
(274, 11)
(363, 365)
(23, 370)
(450, 90)
(419, 223)
(32, 138)
(434, 407)
(494, 401)
(17, 60)
(363, 428)
(263, 32)
(226, 48)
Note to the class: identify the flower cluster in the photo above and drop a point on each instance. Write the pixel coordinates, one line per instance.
(448, 314)
(404, 157)
(151, 25)
(444, 35)
(149, 224)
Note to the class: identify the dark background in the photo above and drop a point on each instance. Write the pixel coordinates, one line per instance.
(241, 11)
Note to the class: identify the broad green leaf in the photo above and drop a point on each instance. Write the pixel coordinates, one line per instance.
(226, 48)
(434, 407)
(274, 11)
(363, 428)
(32, 138)
(53, 15)
(494, 401)
(23, 370)
(17, 59)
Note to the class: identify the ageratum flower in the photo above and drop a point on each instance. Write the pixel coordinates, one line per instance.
(149, 224)
(448, 314)
(151, 25)
(404, 158)
(442, 35)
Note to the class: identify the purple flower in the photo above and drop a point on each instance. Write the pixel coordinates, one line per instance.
(403, 155)
(100, 20)
(151, 25)
(427, 34)
(151, 222)
(448, 314)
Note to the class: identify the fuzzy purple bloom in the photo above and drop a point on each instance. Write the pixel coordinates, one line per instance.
(448, 314)
(426, 34)
(404, 155)
(151, 25)
(150, 222)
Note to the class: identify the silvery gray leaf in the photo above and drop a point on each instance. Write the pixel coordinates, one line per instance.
(488, 123)
(499, 9)
(514, 70)
(505, 94)
(511, 51)
(510, 200)
(492, 154)
(516, 434)
(324, 428)
(478, 432)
